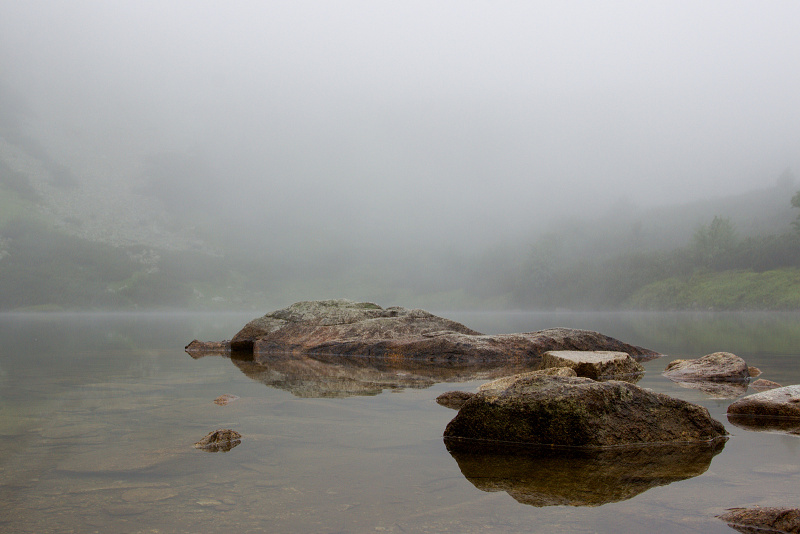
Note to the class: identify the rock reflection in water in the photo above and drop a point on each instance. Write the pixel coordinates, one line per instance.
(580, 477)
(755, 423)
(716, 390)
(317, 375)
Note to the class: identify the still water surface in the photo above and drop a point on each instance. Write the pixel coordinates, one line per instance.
(98, 415)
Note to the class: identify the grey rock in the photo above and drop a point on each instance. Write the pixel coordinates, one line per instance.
(718, 366)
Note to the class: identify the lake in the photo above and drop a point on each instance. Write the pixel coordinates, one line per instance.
(99, 414)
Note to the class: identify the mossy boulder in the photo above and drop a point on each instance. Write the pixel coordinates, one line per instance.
(578, 412)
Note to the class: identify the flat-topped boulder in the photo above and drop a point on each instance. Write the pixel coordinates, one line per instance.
(456, 399)
(718, 366)
(596, 364)
(577, 412)
(362, 328)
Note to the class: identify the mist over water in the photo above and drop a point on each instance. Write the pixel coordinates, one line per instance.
(396, 132)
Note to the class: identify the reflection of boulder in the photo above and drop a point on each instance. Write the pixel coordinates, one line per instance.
(345, 327)
(717, 390)
(321, 375)
(581, 477)
(574, 411)
(754, 520)
(756, 423)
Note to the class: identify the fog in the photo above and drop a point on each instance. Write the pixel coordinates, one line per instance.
(400, 124)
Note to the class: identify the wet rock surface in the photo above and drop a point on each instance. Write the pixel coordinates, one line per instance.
(539, 476)
(361, 328)
(594, 364)
(579, 412)
(718, 366)
(763, 520)
(221, 440)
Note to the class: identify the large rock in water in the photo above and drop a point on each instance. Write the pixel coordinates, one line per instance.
(774, 410)
(778, 402)
(347, 327)
(719, 366)
(577, 412)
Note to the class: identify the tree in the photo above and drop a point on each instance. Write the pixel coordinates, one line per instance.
(713, 243)
(796, 204)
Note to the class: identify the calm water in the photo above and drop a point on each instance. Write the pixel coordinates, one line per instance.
(98, 415)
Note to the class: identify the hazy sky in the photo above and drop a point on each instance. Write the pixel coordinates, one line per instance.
(461, 116)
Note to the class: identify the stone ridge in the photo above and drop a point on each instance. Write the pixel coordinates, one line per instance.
(365, 329)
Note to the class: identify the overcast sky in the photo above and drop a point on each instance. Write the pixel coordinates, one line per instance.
(458, 115)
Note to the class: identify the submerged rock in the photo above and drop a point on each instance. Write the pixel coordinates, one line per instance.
(719, 366)
(543, 476)
(596, 364)
(362, 328)
(776, 520)
(219, 440)
(578, 412)
(225, 399)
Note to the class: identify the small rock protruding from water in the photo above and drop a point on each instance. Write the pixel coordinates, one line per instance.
(778, 520)
(221, 440)
(778, 402)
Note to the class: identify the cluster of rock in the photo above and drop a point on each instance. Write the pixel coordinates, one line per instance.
(577, 405)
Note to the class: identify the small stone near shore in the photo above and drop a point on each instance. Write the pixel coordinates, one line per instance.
(718, 366)
(776, 520)
(597, 365)
(778, 402)
(221, 440)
